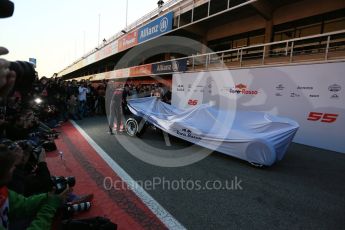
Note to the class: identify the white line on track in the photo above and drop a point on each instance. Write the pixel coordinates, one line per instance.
(166, 218)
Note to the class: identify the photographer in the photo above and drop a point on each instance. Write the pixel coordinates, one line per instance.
(7, 77)
(31, 175)
(12, 205)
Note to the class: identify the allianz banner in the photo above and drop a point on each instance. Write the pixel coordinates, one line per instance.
(313, 95)
(157, 27)
(170, 66)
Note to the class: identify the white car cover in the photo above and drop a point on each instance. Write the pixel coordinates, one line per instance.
(256, 137)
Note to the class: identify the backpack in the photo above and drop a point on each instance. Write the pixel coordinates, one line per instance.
(92, 223)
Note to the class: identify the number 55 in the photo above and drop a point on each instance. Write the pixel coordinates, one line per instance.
(327, 117)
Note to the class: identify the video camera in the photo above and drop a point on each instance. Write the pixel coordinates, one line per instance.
(60, 183)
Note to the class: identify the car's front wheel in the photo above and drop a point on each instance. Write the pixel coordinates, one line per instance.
(133, 127)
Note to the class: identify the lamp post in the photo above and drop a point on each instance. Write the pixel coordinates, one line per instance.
(99, 26)
(126, 13)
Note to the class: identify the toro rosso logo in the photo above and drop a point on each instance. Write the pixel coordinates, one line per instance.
(242, 89)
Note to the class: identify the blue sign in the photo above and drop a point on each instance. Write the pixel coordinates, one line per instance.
(157, 27)
(33, 61)
(170, 66)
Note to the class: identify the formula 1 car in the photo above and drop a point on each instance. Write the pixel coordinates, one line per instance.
(259, 138)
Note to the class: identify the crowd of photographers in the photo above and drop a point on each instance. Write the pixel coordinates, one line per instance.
(29, 195)
(30, 110)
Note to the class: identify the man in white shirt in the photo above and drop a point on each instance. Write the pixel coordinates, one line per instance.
(82, 99)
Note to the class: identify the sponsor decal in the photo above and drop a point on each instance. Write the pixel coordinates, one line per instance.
(187, 133)
(280, 87)
(314, 95)
(334, 88)
(242, 89)
(305, 87)
(107, 51)
(114, 46)
(142, 70)
(121, 73)
(322, 117)
(180, 88)
(155, 28)
(279, 94)
(127, 41)
(170, 66)
(192, 102)
(294, 95)
(335, 96)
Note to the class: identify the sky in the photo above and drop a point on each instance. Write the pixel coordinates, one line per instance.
(58, 32)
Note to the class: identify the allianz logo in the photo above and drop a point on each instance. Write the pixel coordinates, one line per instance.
(173, 66)
(163, 25)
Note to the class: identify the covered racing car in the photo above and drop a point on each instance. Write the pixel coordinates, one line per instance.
(257, 137)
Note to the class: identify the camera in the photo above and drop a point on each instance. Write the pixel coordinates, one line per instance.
(36, 152)
(6, 8)
(60, 183)
(25, 75)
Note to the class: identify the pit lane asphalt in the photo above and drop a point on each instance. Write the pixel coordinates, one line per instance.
(306, 190)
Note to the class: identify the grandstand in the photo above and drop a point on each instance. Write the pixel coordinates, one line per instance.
(242, 33)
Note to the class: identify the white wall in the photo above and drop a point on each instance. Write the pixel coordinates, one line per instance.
(291, 91)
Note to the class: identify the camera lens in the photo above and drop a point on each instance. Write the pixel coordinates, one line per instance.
(6, 8)
(25, 74)
(70, 181)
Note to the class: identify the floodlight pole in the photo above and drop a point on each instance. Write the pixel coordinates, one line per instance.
(99, 27)
(126, 13)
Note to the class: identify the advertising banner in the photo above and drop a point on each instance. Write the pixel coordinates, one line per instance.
(155, 28)
(110, 75)
(312, 95)
(127, 41)
(114, 47)
(90, 59)
(142, 70)
(121, 73)
(170, 66)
